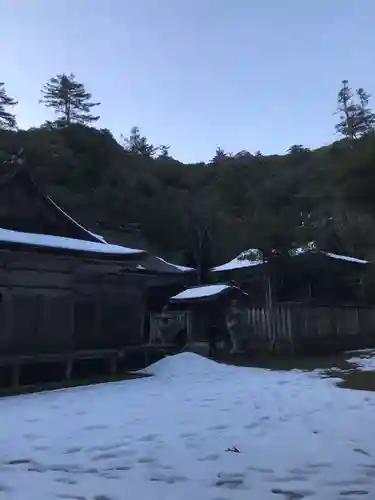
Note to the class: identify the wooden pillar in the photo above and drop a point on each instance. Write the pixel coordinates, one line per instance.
(309, 291)
(98, 322)
(8, 300)
(68, 368)
(16, 369)
(144, 325)
(289, 326)
(113, 364)
(268, 291)
(357, 321)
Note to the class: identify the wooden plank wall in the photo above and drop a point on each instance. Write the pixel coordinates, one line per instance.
(53, 303)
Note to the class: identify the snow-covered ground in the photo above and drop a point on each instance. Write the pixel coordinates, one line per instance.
(166, 437)
(364, 359)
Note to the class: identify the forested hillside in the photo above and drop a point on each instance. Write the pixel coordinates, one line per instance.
(208, 211)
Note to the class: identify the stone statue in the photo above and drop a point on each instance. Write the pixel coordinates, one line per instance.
(233, 323)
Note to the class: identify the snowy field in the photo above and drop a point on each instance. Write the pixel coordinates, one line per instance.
(167, 437)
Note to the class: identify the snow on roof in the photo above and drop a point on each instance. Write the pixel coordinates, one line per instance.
(99, 237)
(345, 257)
(46, 240)
(244, 259)
(241, 261)
(200, 291)
(180, 268)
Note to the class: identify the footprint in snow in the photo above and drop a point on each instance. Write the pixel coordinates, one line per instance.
(353, 492)
(304, 472)
(19, 461)
(41, 448)
(292, 494)
(148, 437)
(187, 434)
(363, 452)
(70, 497)
(96, 427)
(209, 458)
(146, 460)
(219, 427)
(348, 482)
(108, 455)
(65, 480)
(254, 425)
(262, 470)
(230, 480)
(319, 465)
(32, 436)
(167, 478)
(108, 447)
(290, 479)
(73, 450)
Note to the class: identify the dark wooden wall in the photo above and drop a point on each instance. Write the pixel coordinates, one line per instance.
(50, 303)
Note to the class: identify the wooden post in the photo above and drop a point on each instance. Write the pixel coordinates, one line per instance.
(147, 357)
(113, 364)
(68, 368)
(358, 322)
(309, 291)
(98, 321)
(290, 328)
(269, 298)
(16, 375)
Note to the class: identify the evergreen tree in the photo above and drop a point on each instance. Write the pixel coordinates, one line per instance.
(220, 155)
(7, 120)
(347, 110)
(297, 149)
(244, 154)
(163, 151)
(365, 117)
(356, 118)
(69, 100)
(138, 145)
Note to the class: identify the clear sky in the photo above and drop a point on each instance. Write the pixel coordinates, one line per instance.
(195, 74)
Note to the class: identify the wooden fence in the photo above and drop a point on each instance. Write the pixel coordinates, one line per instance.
(302, 327)
(294, 327)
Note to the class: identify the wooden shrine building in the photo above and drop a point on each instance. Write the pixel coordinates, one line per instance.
(65, 288)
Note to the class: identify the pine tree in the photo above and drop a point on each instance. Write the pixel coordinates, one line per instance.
(365, 117)
(7, 120)
(297, 149)
(163, 151)
(138, 145)
(347, 110)
(69, 100)
(356, 118)
(220, 155)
